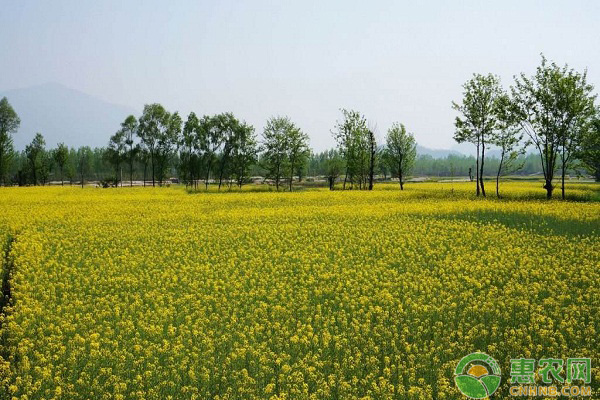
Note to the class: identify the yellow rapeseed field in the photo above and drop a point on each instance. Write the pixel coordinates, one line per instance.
(159, 293)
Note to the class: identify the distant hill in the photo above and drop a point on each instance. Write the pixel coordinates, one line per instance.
(436, 153)
(64, 115)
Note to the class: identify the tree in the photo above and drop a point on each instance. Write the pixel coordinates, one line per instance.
(297, 150)
(275, 147)
(129, 128)
(46, 165)
(225, 127)
(84, 162)
(152, 128)
(116, 153)
(189, 146)
(352, 136)
(576, 111)
(372, 154)
(553, 110)
(9, 124)
(334, 165)
(507, 137)
(165, 144)
(589, 151)
(61, 156)
(34, 152)
(477, 120)
(244, 152)
(401, 151)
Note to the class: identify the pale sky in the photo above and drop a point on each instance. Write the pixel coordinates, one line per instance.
(392, 60)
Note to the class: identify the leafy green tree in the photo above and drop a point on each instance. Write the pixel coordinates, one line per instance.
(225, 126)
(274, 148)
(352, 137)
(84, 162)
(477, 120)
(116, 153)
(210, 140)
(554, 111)
(507, 137)
(129, 128)
(61, 156)
(165, 145)
(34, 152)
(189, 147)
(576, 112)
(244, 152)
(152, 129)
(46, 165)
(9, 124)
(297, 150)
(401, 151)
(335, 166)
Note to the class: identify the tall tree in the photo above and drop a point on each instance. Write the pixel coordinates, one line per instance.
(297, 150)
(401, 151)
(352, 137)
(129, 128)
(116, 153)
(61, 156)
(152, 128)
(188, 148)
(9, 124)
(477, 121)
(210, 140)
(334, 166)
(84, 162)
(34, 152)
(244, 153)
(507, 137)
(576, 112)
(165, 144)
(274, 147)
(546, 111)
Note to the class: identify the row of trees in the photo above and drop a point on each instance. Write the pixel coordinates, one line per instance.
(362, 158)
(552, 111)
(217, 148)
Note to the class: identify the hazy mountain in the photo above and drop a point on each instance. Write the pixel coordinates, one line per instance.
(436, 153)
(64, 115)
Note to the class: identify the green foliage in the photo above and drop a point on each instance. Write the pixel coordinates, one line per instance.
(589, 151)
(554, 108)
(477, 120)
(353, 139)
(9, 124)
(400, 151)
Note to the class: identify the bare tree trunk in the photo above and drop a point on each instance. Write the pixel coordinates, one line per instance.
(207, 175)
(131, 172)
(481, 167)
(498, 176)
(152, 163)
(291, 173)
(549, 188)
(400, 175)
(477, 168)
(563, 171)
(372, 162)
